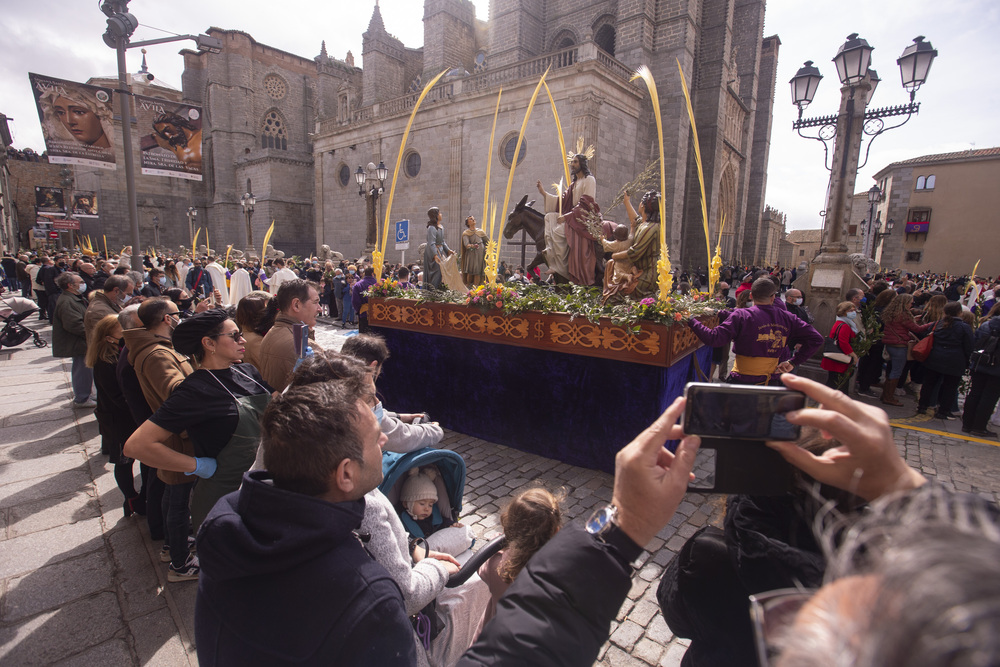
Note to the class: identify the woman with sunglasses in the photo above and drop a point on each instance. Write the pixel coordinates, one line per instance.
(219, 405)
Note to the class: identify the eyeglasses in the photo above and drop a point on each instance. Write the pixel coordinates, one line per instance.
(237, 336)
(771, 614)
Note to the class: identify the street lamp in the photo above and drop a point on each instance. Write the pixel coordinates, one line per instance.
(370, 186)
(192, 213)
(890, 223)
(248, 201)
(874, 197)
(121, 25)
(156, 231)
(847, 130)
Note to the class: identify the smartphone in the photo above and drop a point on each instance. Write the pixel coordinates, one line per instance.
(300, 339)
(741, 412)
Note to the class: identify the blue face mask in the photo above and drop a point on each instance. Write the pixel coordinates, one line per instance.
(851, 315)
(163, 280)
(798, 302)
(864, 299)
(379, 412)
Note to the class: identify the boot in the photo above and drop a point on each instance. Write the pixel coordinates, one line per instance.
(888, 389)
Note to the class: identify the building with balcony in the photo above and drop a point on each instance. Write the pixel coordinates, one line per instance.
(946, 210)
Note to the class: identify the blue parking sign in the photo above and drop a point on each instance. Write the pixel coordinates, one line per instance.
(403, 235)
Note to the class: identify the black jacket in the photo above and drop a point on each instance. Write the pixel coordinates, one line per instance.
(559, 609)
(990, 327)
(952, 348)
(285, 581)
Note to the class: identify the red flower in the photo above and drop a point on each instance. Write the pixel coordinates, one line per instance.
(677, 317)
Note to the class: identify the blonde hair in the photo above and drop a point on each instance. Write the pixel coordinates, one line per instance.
(529, 521)
(845, 307)
(99, 348)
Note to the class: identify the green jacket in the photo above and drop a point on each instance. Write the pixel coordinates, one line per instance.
(69, 336)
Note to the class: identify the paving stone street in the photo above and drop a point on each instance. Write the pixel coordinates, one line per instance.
(81, 585)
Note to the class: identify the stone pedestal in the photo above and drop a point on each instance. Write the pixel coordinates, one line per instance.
(825, 284)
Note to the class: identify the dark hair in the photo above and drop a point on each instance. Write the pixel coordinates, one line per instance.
(151, 311)
(252, 313)
(650, 203)
(307, 431)
(403, 272)
(884, 298)
(584, 164)
(879, 286)
(367, 348)
(189, 333)
(370, 272)
(952, 309)
(329, 366)
(529, 521)
(763, 288)
(297, 288)
(116, 282)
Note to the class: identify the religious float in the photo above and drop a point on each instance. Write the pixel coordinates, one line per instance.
(574, 382)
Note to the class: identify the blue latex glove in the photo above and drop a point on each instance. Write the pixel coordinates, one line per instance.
(309, 353)
(204, 467)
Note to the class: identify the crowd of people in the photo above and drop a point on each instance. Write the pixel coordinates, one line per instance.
(261, 459)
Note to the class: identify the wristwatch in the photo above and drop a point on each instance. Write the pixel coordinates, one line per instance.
(602, 526)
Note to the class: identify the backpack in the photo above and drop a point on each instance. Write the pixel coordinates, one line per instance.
(986, 357)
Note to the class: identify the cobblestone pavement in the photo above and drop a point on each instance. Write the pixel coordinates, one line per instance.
(81, 585)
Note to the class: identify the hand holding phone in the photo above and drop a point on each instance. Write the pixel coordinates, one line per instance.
(742, 412)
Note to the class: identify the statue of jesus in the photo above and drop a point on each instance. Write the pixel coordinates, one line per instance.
(569, 246)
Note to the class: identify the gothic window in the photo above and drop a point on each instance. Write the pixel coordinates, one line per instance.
(344, 174)
(412, 164)
(507, 146)
(564, 40)
(605, 38)
(417, 84)
(480, 65)
(273, 133)
(343, 107)
(275, 86)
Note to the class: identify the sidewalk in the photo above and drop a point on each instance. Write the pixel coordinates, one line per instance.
(81, 585)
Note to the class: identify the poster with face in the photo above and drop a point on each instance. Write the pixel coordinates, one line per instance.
(49, 200)
(85, 204)
(169, 138)
(77, 121)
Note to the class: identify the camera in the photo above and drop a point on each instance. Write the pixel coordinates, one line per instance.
(734, 422)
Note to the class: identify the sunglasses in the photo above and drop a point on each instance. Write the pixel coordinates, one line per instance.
(237, 336)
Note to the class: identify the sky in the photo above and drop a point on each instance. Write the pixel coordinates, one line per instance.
(958, 101)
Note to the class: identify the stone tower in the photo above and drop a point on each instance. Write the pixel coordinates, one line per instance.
(517, 30)
(384, 61)
(449, 36)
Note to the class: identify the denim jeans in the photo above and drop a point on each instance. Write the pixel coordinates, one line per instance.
(82, 379)
(897, 355)
(177, 521)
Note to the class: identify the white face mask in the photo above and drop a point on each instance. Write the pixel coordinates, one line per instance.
(126, 298)
(798, 302)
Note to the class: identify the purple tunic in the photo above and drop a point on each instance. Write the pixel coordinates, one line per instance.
(761, 331)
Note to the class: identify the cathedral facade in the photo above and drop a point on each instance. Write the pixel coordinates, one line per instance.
(294, 130)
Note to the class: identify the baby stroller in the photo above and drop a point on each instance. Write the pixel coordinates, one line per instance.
(451, 485)
(12, 311)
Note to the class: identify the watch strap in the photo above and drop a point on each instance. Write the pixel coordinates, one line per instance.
(620, 544)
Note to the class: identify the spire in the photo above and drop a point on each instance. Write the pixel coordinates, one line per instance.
(376, 22)
(143, 69)
(322, 50)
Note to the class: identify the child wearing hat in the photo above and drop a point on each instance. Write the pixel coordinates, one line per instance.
(422, 517)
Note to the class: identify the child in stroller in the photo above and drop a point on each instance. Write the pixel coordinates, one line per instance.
(13, 310)
(422, 517)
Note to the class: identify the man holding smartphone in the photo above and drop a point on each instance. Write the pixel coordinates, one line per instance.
(761, 336)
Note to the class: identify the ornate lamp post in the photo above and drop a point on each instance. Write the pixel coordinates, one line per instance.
(874, 197)
(248, 201)
(192, 213)
(881, 235)
(831, 273)
(370, 182)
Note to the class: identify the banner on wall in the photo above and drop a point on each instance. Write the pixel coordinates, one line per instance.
(49, 200)
(85, 204)
(169, 138)
(77, 121)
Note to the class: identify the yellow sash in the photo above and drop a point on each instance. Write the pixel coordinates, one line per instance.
(755, 365)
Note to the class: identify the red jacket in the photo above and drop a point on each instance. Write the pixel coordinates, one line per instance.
(898, 331)
(843, 334)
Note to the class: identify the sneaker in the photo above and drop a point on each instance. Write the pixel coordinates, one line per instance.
(189, 572)
(944, 416)
(165, 553)
(87, 404)
(867, 392)
(984, 434)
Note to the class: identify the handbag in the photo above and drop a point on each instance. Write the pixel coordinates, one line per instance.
(832, 350)
(922, 350)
